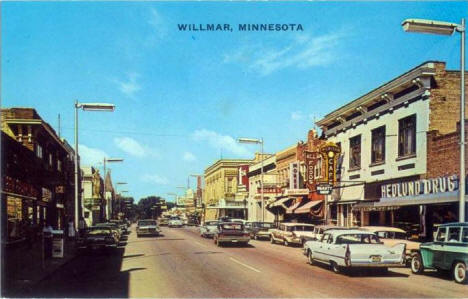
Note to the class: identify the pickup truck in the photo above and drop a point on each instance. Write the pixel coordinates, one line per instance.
(343, 249)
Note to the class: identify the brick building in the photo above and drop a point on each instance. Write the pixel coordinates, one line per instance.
(390, 139)
(47, 178)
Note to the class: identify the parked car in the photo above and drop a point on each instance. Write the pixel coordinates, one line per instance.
(320, 229)
(392, 235)
(97, 238)
(354, 249)
(121, 223)
(114, 226)
(290, 233)
(208, 228)
(243, 221)
(163, 221)
(449, 251)
(231, 232)
(175, 221)
(147, 227)
(259, 230)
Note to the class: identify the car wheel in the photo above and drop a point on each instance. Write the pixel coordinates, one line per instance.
(255, 237)
(459, 272)
(416, 264)
(335, 267)
(286, 243)
(311, 257)
(272, 241)
(218, 243)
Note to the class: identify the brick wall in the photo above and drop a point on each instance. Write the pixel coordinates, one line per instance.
(443, 153)
(445, 100)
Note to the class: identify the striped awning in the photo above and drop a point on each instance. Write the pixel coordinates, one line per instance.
(306, 208)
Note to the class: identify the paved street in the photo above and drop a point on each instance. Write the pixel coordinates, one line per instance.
(182, 264)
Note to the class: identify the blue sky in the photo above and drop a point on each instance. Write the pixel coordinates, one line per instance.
(183, 98)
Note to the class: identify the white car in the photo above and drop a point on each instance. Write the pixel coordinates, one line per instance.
(353, 249)
(208, 228)
(175, 222)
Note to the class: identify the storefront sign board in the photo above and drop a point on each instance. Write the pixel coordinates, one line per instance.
(330, 153)
(419, 187)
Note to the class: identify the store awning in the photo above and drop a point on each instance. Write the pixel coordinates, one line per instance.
(306, 208)
(290, 210)
(279, 203)
(419, 200)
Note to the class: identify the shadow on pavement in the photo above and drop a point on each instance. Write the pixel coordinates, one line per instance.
(89, 275)
(362, 272)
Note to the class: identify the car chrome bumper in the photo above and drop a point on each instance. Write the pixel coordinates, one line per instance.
(234, 239)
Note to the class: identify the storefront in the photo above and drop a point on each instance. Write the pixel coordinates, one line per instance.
(416, 205)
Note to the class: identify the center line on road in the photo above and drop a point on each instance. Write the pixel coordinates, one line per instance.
(247, 266)
(203, 245)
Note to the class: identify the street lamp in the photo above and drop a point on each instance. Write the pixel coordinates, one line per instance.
(109, 206)
(257, 141)
(446, 28)
(86, 107)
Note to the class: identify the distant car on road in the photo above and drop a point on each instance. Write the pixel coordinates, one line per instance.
(175, 221)
(449, 251)
(354, 249)
(121, 223)
(147, 227)
(208, 228)
(98, 238)
(290, 233)
(230, 232)
(163, 221)
(259, 230)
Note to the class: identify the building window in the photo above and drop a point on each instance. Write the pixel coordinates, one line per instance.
(407, 136)
(50, 159)
(378, 145)
(59, 165)
(39, 152)
(355, 152)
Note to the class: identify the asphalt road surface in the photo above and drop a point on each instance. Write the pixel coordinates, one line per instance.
(180, 263)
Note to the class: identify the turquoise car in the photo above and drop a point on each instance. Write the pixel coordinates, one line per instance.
(448, 252)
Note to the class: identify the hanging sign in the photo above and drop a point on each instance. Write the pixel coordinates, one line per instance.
(311, 159)
(330, 153)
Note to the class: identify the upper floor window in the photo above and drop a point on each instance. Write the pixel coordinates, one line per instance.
(59, 165)
(39, 152)
(407, 136)
(50, 159)
(355, 152)
(378, 145)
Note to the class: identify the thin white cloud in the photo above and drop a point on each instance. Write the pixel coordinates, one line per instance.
(222, 142)
(158, 27)
(155, 179)
(90, 156)
(130, 86)
(297, 115)
(303, 52)
(189, 157)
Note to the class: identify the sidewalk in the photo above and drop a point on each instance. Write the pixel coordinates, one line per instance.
(22, 267)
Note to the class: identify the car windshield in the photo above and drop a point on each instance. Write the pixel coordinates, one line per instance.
(358, 239)
(391, 235)
(106, 225)
(233, 226)
(266, 224)
(211, 223)
(175, 218)
(146, 223)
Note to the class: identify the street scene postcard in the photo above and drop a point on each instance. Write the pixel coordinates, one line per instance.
(233, 149)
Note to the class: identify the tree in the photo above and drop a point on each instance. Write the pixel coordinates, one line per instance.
(149, 207)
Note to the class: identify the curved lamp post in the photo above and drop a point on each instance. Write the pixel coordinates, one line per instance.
(446, 28)
(86, 107)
